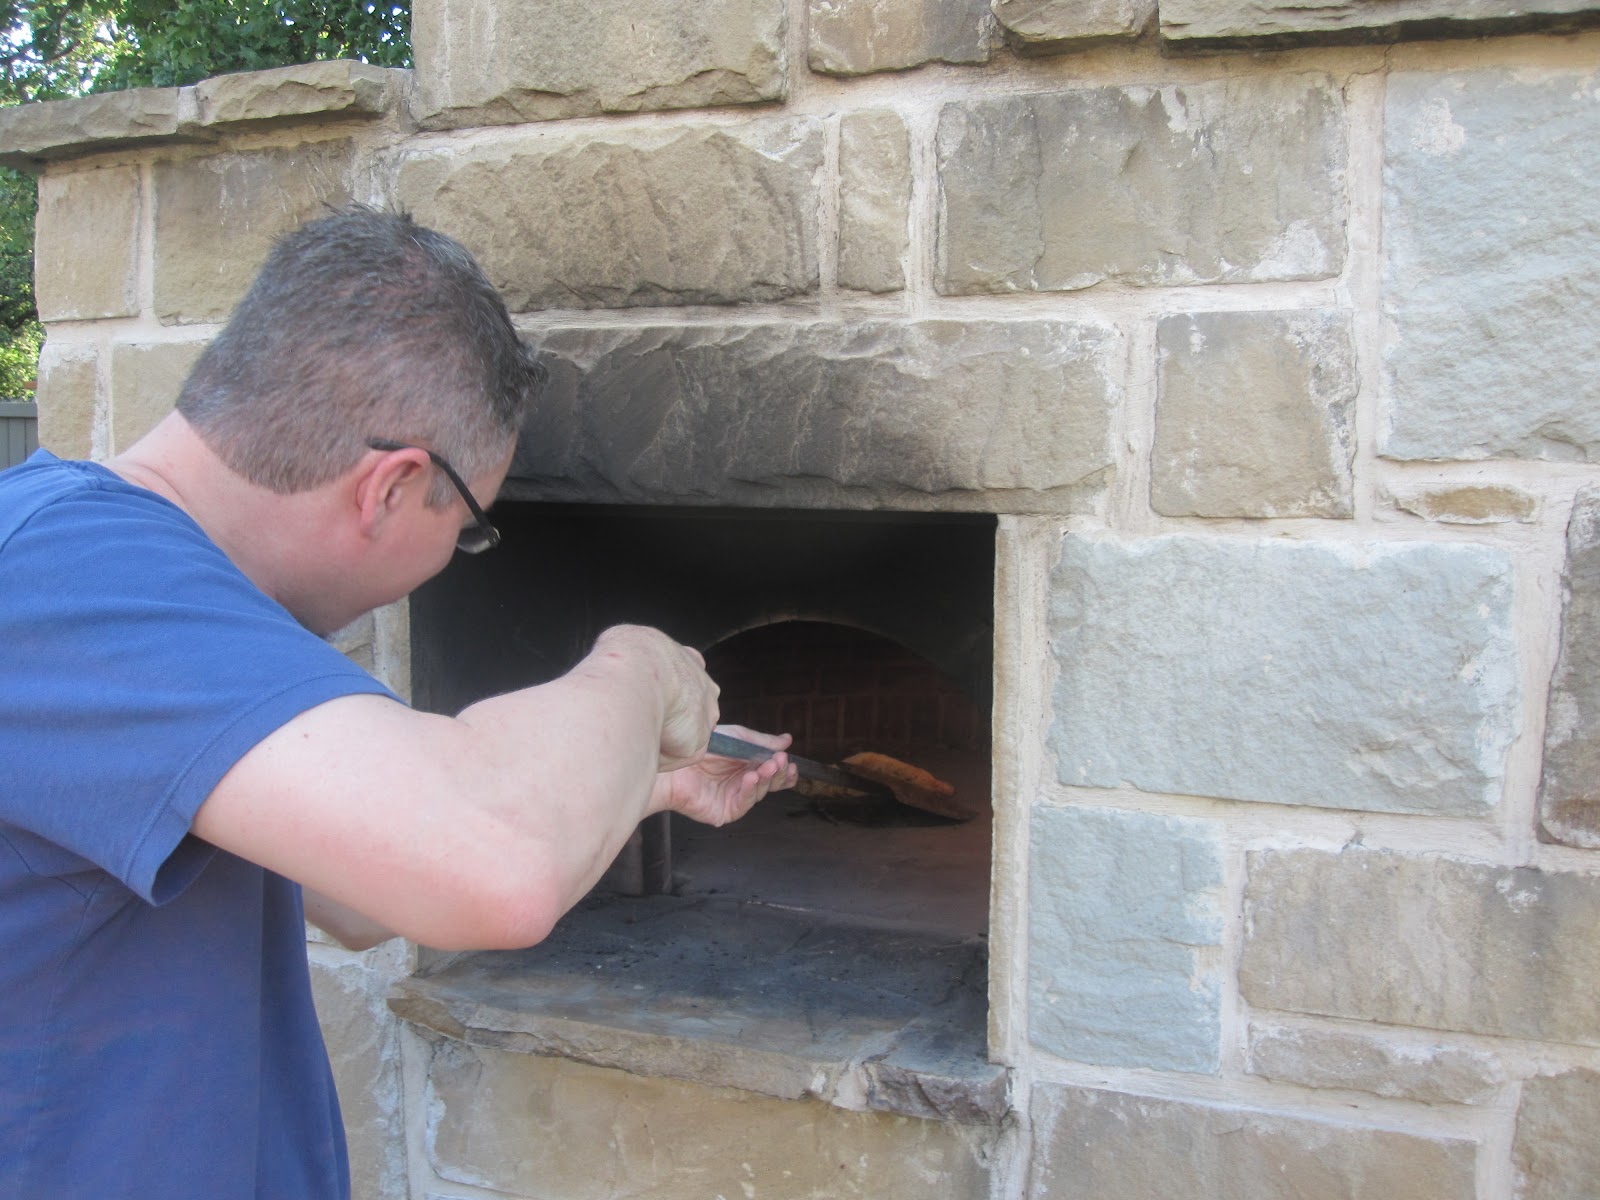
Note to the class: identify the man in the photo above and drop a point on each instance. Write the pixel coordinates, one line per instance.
(179, 744)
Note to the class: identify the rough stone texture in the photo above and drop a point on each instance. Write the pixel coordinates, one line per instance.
(1206, 24)
(547, 1127)
(1255, 415)
(1487, 504)
(858, 37)
(364, 1047)
(1383, 1064)
(1424, 941)
(1113, 1146)
(1569, 792)
(328, 90)
(145, 380)
(700, 215)
(1374, 675)
(1488, 202)
(1010, 415)
(770, 1000)
(69, 381)
(1125, 927)
(86, 244)
(1556, 1152)
(216, 217)
(357, 642)
(500, 62)
(1058, 191)
(1052, 26)
(31, 134)
(874, 201)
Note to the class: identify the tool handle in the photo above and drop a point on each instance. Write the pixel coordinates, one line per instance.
(725, 745)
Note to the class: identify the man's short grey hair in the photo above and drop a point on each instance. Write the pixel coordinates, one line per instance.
(360, 325)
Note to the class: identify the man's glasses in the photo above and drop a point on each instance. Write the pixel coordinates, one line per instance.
(476, 538)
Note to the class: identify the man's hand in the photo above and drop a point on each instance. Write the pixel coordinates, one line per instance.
(688, 695)
(717, 790)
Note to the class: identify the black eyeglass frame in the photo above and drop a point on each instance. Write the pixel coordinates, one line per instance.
(476, 540)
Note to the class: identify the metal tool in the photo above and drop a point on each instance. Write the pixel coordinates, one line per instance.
(727, 746)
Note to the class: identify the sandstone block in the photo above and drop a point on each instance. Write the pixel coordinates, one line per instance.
(1381, 1063)
(874, 201)
(1125, 927)
(1059, 191)
(500, 62)
(1569, 792)
(702, 215)
(339, 89)
(31, 134)
(216, 218)
(550, 1127)
(1429, 942)
(1556, 1153)
(69, 382)
(1485, 504)
(1051, 26)
(364, 1049)
(919, 415)
(1376, 676)
(145, 380)
(1255, 415)
(1114, 1146)
(1487, 205)
(1206, 24)
(858, 37)
(86, 244)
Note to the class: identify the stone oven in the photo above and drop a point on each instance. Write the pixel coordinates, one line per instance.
(1179, 416)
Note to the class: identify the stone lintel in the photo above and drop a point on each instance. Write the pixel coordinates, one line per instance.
(336, 90)
(49, 130)
(863, 1019)
(1201, 26)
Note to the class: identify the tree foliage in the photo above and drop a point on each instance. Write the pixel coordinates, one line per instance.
(55, 49)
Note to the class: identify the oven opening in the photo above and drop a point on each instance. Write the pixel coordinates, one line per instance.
(833, 943)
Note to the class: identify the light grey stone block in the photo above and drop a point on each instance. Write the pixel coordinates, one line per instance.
(1255, 416)
(69, 381)
(146, 378)
(33, 134)
(1208, 24)
(858, 37)
(1493, 334)
(534, 1126)
(1123, 907)
(1380, 1063)
(1114, 1146)
(1556, 1153)
(1378, 676)
(216, 218)
(1053, 26)
(1569, 792)
(335, 90)
(1059, 191)
(86, 244)
(1429, 942)
(364, 1050)
(920, 415)
(874, 201)
(683, 215)
(503, 62)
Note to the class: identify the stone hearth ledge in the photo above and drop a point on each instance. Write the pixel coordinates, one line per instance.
(739, 995)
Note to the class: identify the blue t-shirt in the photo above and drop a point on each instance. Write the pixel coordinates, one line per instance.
(157, 1035)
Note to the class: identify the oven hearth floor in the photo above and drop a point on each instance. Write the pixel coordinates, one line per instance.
(736, 994)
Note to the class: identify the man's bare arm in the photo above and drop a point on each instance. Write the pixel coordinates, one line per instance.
(479, 831)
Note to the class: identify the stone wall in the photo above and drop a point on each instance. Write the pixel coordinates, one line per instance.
(1269, 331)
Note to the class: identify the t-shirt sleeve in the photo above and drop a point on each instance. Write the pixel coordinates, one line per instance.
(137, 665)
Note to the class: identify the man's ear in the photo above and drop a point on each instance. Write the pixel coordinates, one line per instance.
(385, 482)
